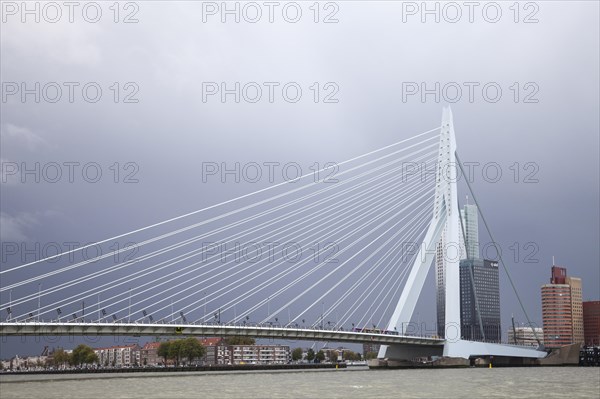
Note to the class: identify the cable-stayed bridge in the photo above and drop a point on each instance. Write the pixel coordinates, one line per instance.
(337, 254)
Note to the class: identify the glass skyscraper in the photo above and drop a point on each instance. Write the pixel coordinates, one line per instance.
(480, 300)
(470, 224)
(479, 284)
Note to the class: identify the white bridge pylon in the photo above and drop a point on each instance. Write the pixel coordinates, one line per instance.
(445, 219)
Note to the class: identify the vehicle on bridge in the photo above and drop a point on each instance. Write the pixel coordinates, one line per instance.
(374, 331)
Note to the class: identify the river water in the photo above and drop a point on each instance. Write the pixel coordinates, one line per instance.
(540, 382)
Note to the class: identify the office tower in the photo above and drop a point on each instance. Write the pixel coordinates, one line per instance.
(562, 309)
(469, 223)
(577, 308)
(591, 323)
(480, 300)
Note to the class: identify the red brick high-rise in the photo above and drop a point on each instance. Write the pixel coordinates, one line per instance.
(591, 322)
(562, 309)
(559, 275)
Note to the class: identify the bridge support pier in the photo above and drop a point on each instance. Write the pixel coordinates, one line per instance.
(409, 352)
(457, 353)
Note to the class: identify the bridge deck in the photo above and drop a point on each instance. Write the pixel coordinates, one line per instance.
(138, 329)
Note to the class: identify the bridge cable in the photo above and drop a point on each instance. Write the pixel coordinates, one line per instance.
(282, 274)
(213, 206)
(155, 253)
(425, 215)
(381, 276)
(271, 280)
(368, 292)
(499, 252)
(351, 217)
(111, 284)
(342, 264)
(191, 226)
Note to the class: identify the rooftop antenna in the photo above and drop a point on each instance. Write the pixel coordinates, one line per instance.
(553, 264)
(467, 199)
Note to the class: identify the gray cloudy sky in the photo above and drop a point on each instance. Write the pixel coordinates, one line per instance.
(370, 57)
